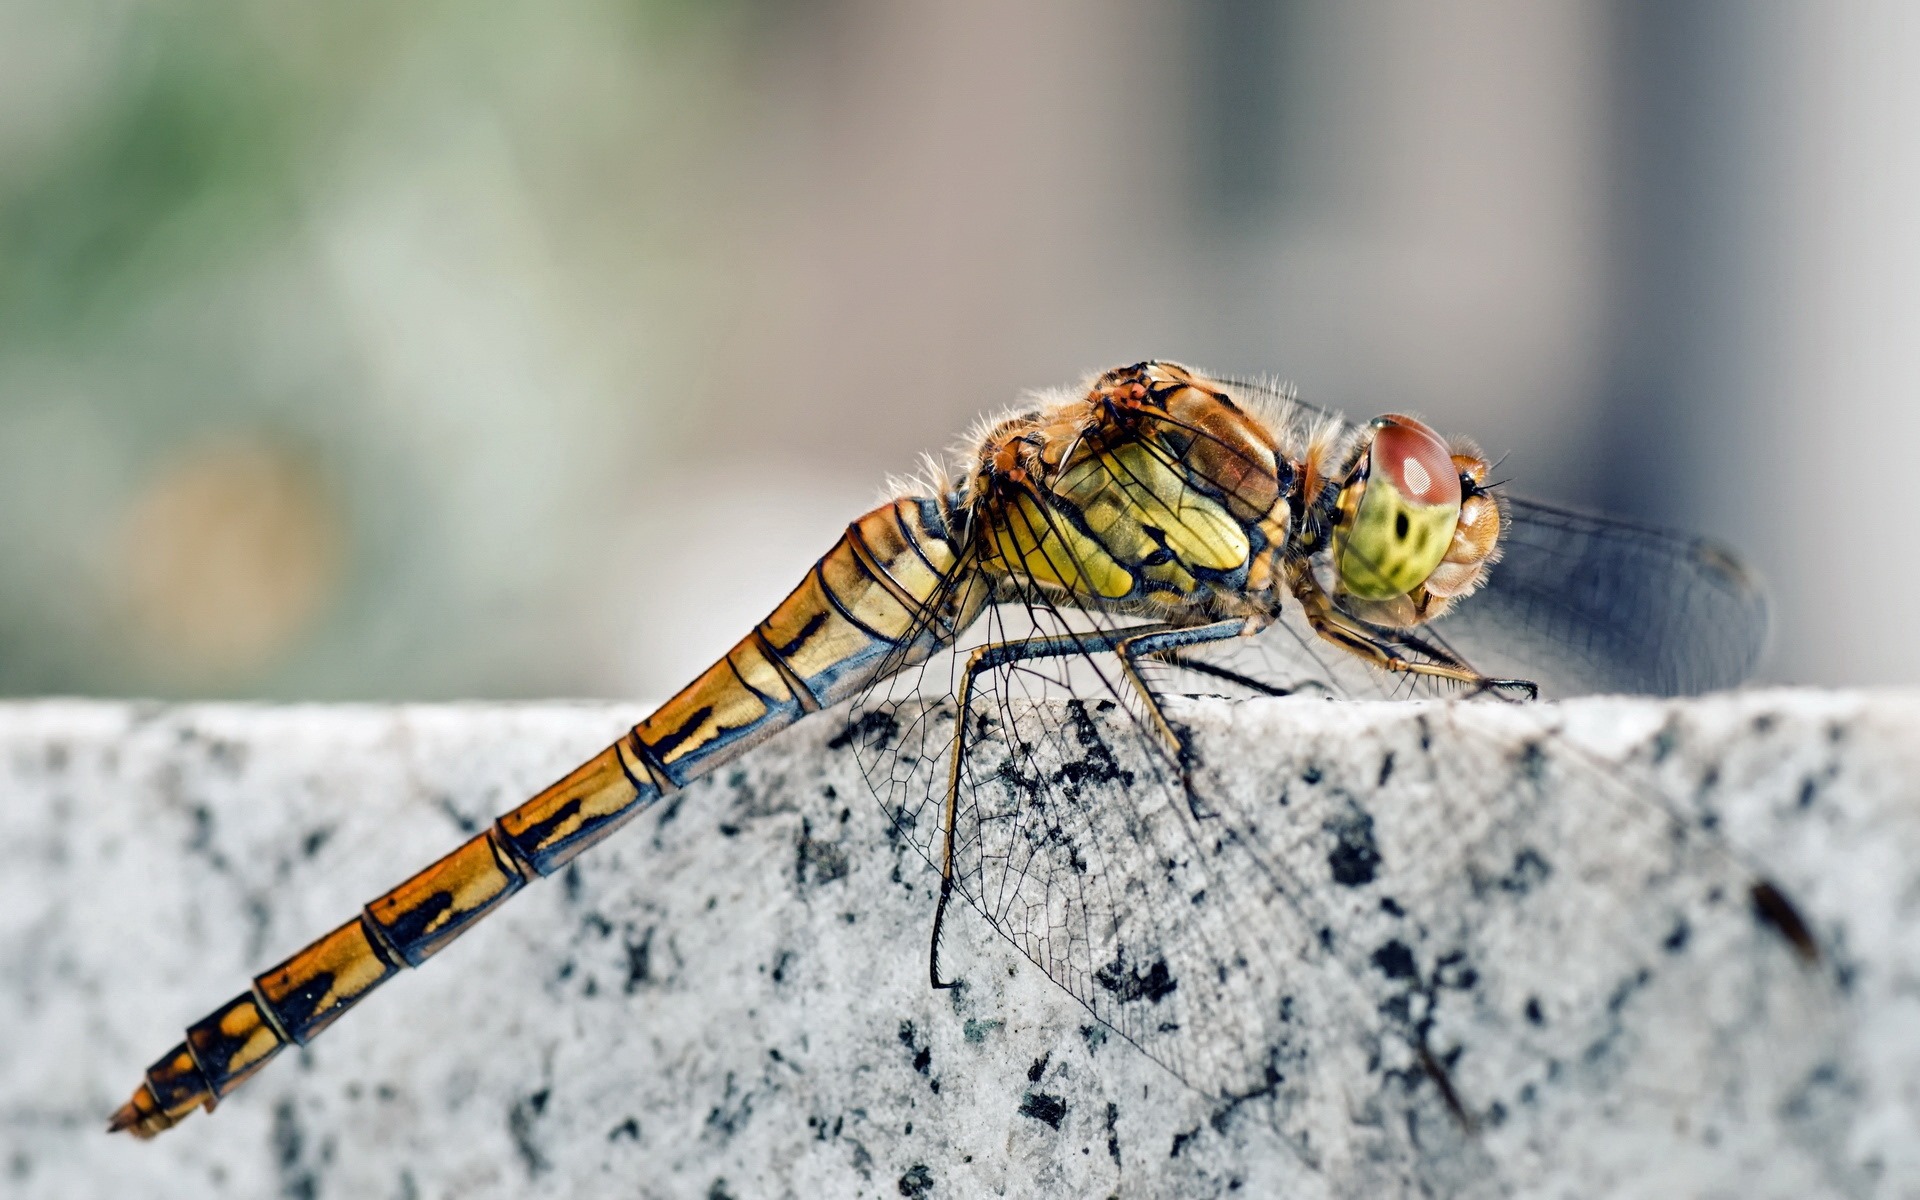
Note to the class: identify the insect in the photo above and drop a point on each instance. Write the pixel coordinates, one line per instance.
(1155, 521)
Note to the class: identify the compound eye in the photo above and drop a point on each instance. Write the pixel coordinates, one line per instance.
(1416, 459)
(1404, 514)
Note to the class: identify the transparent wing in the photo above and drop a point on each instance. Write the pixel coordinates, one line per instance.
(1361, 909)
(1077, 839)
(1586, 604)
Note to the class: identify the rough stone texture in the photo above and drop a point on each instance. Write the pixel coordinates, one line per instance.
(730, 997)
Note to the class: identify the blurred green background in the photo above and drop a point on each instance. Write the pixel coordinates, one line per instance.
(374, 351)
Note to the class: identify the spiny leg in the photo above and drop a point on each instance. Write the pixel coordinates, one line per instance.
(1158, 643)
(1386, 649)
(1200, 666)
(992, 657)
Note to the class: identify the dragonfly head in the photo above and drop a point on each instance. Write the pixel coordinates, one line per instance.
(1415, 526)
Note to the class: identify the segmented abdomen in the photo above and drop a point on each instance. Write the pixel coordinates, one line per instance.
(881, 598)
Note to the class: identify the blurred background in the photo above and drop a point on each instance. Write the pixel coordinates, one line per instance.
(363, 350)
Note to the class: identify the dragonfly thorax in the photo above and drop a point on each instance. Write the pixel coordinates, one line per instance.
(1151, 492)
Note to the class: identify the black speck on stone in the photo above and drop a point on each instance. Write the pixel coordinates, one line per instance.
(1154, 984)
(296, 1181)
(461, 821)
(1676, 940)
(520, 1122)
(202, 836)
(918, 1180)
(1624, 991)
(1043, 1107)
(1529, 871)
(869, 731)
(1038, 1068)
(1180, 1141)
(1534, 1015)
(639, 960)
(1395, 960)
(1355, 858)
(922, 1055)
(1532, 762)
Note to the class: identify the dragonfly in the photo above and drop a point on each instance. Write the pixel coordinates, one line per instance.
(1090, 558)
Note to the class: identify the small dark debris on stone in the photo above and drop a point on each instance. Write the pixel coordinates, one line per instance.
(1044, 1107)
(917, 1181)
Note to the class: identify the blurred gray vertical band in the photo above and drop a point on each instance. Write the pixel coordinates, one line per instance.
(1687, 197)
(1249, 66)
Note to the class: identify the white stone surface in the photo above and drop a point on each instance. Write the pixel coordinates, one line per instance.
(730, 997)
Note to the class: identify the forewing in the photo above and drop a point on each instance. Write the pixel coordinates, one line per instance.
(1582, 604)
(1585, 604)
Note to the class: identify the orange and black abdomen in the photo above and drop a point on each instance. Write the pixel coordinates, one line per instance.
(893, 589)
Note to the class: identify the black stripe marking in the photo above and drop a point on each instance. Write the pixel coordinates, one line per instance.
(772, 702)
(671, 740)
(537, 835)
(802, 694)
(814, 624)
(840, 607)
(913, 542)
(415, 925)
(877, 571)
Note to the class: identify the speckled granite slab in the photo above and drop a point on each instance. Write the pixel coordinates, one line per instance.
(730, 997)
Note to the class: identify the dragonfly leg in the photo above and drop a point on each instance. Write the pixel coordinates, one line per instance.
(993, 657)
(1166, 644)
(1388, 649)
(1200, 666)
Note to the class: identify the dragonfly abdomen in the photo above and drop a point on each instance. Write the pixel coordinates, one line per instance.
(888, 593)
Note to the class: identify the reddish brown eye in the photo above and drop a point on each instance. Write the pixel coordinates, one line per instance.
(1416, 460)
